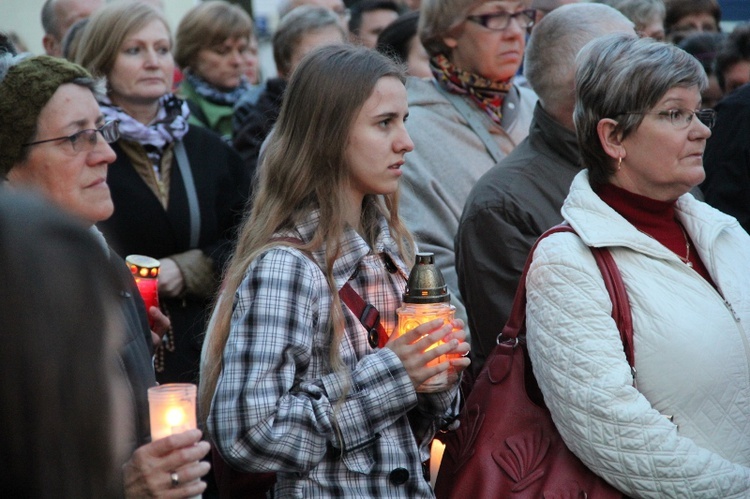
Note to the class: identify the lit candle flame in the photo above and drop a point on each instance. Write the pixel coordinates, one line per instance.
(175, 417)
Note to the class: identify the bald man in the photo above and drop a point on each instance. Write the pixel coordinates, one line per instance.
(58, 16)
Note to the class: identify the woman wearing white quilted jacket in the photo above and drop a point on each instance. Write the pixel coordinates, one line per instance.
(681, 426)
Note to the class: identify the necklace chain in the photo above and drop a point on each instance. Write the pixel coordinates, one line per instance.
(685, 260)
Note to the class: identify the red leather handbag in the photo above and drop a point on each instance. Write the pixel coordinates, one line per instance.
(507, 445)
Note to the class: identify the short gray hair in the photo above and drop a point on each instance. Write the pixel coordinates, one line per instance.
(619, 74)
(296, 24)
(555, 41)
(641, 12)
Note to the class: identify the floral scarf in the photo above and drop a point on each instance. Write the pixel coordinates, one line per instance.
(489, 95)
(213, 94)
(169, 126)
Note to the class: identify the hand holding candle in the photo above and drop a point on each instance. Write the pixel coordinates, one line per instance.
(172, 411)
(426, 298)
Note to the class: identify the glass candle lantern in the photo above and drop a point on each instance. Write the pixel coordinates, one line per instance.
(145, 270)
(171, 409)
(426, 298)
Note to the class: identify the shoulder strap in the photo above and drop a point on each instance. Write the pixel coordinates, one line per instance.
(516, 324)
(474, 122)
(192, 194)
(368, 315)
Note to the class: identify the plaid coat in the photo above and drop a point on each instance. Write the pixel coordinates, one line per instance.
(280, 407)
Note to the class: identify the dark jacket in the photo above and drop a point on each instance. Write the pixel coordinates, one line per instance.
(507, 210)
(254, 121)
(727, 158)
(140, 225)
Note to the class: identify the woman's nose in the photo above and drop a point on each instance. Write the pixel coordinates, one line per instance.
(404, 143)
(102, 152)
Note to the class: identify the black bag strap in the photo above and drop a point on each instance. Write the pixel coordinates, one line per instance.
(516, 325)
(368, 315)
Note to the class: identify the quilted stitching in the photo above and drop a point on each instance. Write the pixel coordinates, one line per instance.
(687, 348)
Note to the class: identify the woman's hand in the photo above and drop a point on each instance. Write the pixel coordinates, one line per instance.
(171, 282)
(411, 349)
(152, 467)
(460, 361)
(160, 324)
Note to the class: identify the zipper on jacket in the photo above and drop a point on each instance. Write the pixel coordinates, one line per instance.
(731, 309)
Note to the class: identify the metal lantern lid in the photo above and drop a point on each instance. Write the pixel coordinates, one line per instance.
(426, 283)
(143, 266)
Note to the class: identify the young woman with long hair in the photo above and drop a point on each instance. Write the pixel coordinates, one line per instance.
(289, 381)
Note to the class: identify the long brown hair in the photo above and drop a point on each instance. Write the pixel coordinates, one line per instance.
(304, 170)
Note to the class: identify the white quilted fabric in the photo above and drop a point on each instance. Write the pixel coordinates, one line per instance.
(692, 350)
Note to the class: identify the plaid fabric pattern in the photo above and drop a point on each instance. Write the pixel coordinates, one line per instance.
(280, 407)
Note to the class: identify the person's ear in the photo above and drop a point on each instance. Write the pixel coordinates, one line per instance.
(450, 42)
(451, 39)
(51, 46)
(610, 137)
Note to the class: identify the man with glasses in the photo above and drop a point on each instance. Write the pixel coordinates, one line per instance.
(54, 141)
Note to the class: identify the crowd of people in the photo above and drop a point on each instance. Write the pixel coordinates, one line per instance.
(284, 210)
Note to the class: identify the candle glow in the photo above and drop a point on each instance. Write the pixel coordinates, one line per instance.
(172, 409)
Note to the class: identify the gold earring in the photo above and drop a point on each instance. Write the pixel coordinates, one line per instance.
(619, 163)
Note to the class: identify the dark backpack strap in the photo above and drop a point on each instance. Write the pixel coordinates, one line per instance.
(368, 315)
(516, 325)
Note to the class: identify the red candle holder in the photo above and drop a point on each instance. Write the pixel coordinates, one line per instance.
(145, 271)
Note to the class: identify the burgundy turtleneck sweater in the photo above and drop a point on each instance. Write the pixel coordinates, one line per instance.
(656, 219)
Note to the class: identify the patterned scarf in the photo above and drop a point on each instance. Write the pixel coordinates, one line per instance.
(213, 94)
(169, 126)
(488, 94)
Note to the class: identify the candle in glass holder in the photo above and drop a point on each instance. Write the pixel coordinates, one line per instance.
(171, 409)
(427, 298)
(145, 271)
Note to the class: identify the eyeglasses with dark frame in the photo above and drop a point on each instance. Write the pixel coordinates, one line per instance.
(86, 140)
(500, 21)
(681, 118)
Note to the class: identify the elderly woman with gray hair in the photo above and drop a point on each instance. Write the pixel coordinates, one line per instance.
(55, 141)
(466, 118)
(678, 424)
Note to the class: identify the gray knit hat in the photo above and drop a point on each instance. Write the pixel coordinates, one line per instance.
(24, 91)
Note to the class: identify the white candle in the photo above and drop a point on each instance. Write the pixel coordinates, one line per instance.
(172, 409)
(436, 457)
